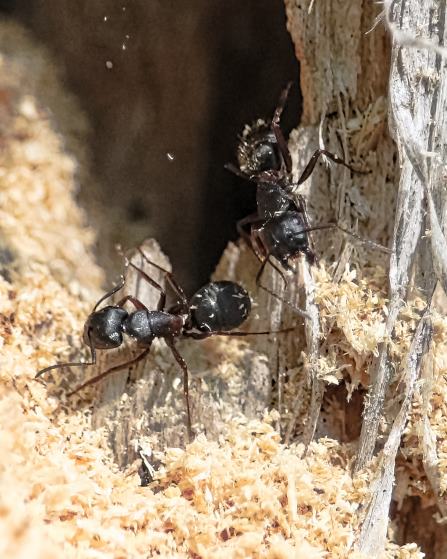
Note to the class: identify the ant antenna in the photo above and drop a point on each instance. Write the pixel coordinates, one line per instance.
(114, 289)
(74, 364)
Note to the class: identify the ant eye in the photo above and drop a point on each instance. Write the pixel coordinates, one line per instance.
(266, 157)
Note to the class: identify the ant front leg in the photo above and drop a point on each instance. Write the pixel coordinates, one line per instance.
(268, 260)
(308, 170)
(276, 127)
(296, 309)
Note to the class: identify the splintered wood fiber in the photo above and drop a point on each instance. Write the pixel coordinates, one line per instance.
(242, 493)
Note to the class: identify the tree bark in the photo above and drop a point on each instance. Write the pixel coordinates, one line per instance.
(346, 71)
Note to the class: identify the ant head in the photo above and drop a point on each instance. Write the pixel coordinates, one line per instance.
(285, 236)
(219, 306)
(258, 149)
(104, 328)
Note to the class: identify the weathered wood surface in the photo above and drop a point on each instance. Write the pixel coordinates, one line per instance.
(417, 110)
(418, 123)
(346, 71)
(343, 80)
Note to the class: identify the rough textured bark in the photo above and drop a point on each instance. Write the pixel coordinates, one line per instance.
(346, 71)
(345, 110)
(417, 108)
(343, 80)
(372, 536)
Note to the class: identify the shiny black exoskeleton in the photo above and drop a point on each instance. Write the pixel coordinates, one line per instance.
(286, 236)
(215, 309)
(104, 329)
(219, 306)
(262, 147)
(258, 149)
(280, 227)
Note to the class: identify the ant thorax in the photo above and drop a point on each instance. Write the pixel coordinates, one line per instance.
(143, 326)
(272, 199)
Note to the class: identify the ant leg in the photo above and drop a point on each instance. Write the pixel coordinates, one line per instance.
(135, 302)
(99, 377)
(251, 219)
(77, 364)
(274, 266)
(366, 242)
(275, 295)
(313, 161)
(184, 367)
(281, 141)
(236, 171)
(272, 293)
(205, 335)
(296, 309)
(176, 287)
(162, 300)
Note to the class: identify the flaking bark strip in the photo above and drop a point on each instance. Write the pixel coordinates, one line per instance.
(372, 536)
(312, 331)
(342, 73)
(430, 457)
(417, 109)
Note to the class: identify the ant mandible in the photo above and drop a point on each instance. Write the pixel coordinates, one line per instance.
(214, 310)
(280, 227)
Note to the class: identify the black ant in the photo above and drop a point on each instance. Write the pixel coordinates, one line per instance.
(213, 310)
(279, 228)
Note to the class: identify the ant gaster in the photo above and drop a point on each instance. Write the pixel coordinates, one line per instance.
(213, 310)
(279, 228)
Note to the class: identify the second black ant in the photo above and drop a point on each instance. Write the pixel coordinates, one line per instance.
(280, 227)
(214, 310)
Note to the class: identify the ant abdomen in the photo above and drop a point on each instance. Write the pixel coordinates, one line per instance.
(104, 328)
(219, 306)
